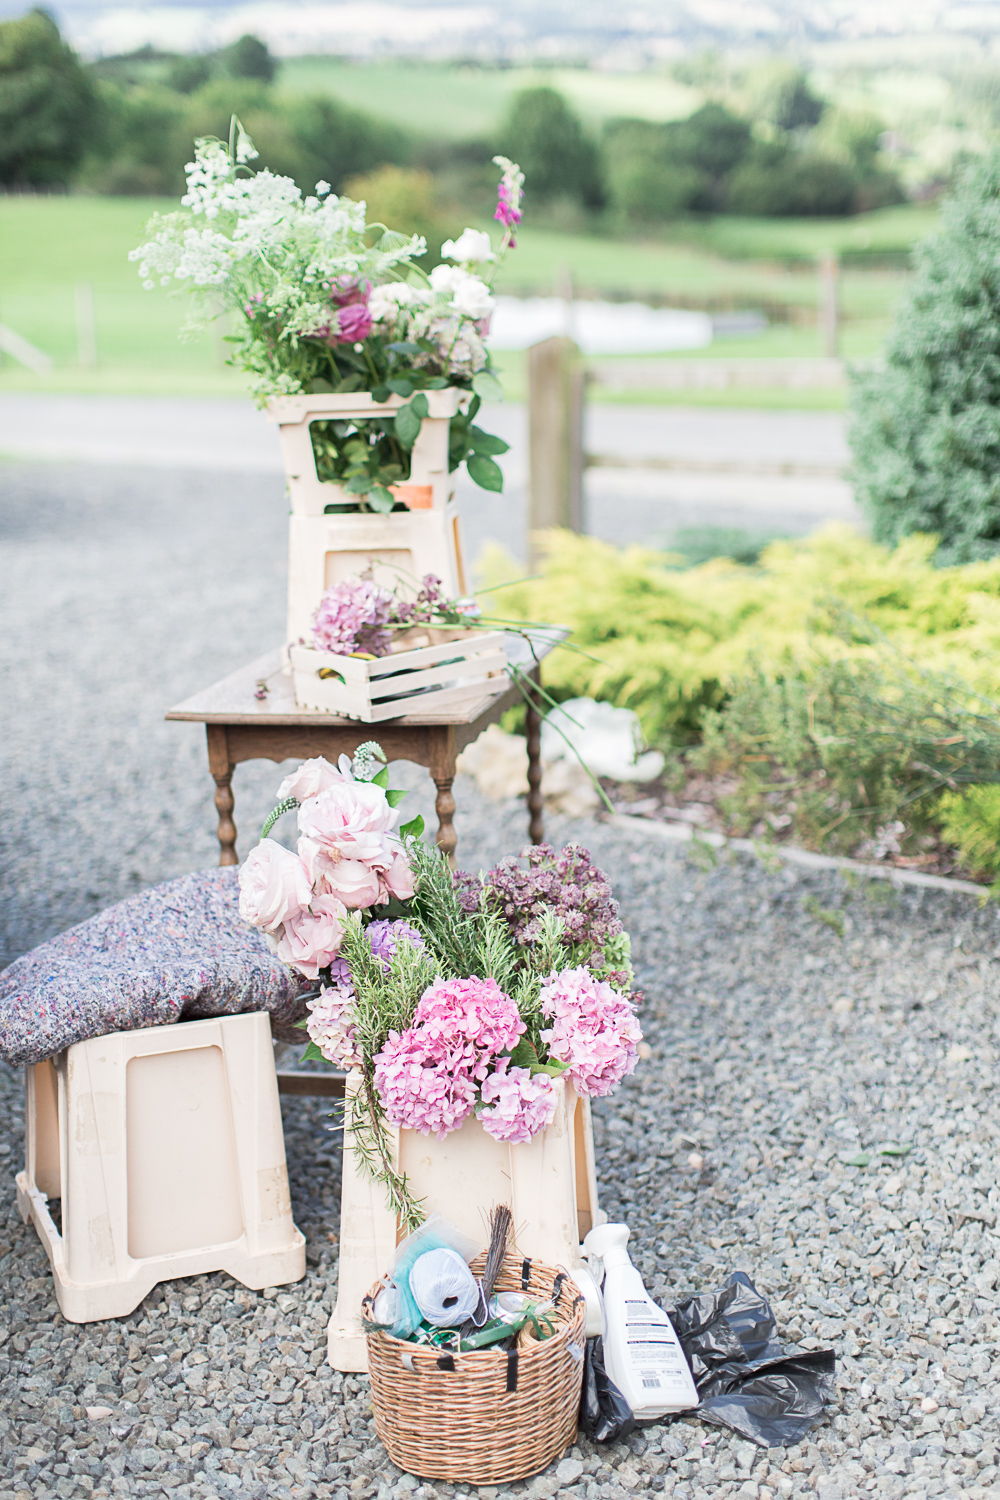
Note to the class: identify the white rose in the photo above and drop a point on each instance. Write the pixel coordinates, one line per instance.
(472, 298)
(473, 246)
(447, 279)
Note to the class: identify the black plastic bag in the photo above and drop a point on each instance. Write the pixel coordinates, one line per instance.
(745, 1379)
(604, 1412)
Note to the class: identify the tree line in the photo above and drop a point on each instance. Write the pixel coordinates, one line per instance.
(125, 125)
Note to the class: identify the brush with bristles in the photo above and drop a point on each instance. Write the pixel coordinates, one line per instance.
(501, 1222)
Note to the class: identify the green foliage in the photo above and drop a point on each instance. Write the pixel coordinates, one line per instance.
(49, 109)
(795, 679)
(926, 429)
(971, 821)
(249, 57)
(541, 133)
(778, 179)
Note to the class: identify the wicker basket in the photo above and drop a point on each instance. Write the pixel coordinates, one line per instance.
(485, 1417)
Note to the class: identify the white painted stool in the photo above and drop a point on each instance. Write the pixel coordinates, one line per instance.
(165, 1148)
(550, 1185)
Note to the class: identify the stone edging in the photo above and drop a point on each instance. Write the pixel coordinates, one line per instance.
(682, 833)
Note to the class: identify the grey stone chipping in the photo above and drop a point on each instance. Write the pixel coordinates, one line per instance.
(797, 1023)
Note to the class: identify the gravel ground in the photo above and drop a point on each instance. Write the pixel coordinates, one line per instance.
(798, 1023)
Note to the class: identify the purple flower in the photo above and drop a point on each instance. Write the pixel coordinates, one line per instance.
(352, 617)
(354, 323)
(568, 885)
(509, 195)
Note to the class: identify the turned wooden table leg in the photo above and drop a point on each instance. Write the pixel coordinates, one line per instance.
(441, 764)
(536, 802)
(222, 774)
(444, 806)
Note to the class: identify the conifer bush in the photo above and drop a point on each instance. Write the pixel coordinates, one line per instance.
(925, 430)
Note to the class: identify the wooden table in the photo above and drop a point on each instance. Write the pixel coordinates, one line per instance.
(252, 715)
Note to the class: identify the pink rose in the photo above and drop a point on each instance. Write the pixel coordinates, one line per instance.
(399, 877)
(274, 885)
(352, 882)
(349, 821)
(311, 778)
(311, 939)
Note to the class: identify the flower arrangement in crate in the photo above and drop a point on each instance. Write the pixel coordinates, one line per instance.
(325, 302)
(371, 650)
(453, 996)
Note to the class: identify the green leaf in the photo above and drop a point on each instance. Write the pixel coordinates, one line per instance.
(486, 442)
(894, 1151)
(862, 1159)
(359, 485)
(380, 499)
(524, 1055)
(487, 386)
(394, 795)
(419, 406)
(487, 474)
(408, 425)
(438, 383)
(400, 387)
(413, 829)
(405, 347)
(382, 779)
(474, 405)
(380, 393)
(320, 387)
(553, 1068)
(313, 1054)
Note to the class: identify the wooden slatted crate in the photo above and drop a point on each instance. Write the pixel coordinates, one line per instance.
(428, 669)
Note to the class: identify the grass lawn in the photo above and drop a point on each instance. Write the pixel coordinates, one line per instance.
(49, 245)
(462, 103)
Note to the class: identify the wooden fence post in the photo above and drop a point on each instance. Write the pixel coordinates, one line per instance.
(829, 302)
(556, 378)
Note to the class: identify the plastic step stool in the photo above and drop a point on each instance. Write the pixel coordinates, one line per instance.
(550, 1185)
(165, 1148)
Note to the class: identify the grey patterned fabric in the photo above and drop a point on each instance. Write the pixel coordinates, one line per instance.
(177, 952)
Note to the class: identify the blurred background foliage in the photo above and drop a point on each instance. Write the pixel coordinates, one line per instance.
(765, 140)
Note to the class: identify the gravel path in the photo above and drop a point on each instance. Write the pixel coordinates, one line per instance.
(797, 1022)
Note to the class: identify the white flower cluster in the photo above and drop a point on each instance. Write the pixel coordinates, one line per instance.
(282, 258)
(453, 311)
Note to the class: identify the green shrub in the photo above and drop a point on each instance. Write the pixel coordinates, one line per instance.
(793, 681)
(778, 180)
(558, 159)
(971, 821)
(925, 430)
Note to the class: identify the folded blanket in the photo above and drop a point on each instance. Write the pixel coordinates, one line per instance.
(177, 952)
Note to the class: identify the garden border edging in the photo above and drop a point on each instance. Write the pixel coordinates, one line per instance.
(682, 833)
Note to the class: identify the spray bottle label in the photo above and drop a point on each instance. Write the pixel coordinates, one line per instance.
(653, 1348)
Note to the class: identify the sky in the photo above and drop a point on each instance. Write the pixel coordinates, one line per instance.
(636, 33)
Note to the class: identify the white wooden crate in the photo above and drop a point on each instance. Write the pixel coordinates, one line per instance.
(427, 670)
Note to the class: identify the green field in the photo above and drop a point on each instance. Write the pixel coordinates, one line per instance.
(462, 103)
(49, 245)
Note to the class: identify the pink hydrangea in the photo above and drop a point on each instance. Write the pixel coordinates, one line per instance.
(417, 1091)
(352, 616)
(519, 1105)
(330, 1023)
(469, 1022)
(594, 1032)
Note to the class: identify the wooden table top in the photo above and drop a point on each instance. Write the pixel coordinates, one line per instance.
(231, 700)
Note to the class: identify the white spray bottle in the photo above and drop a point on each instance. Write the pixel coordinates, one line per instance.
(641, 1351)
